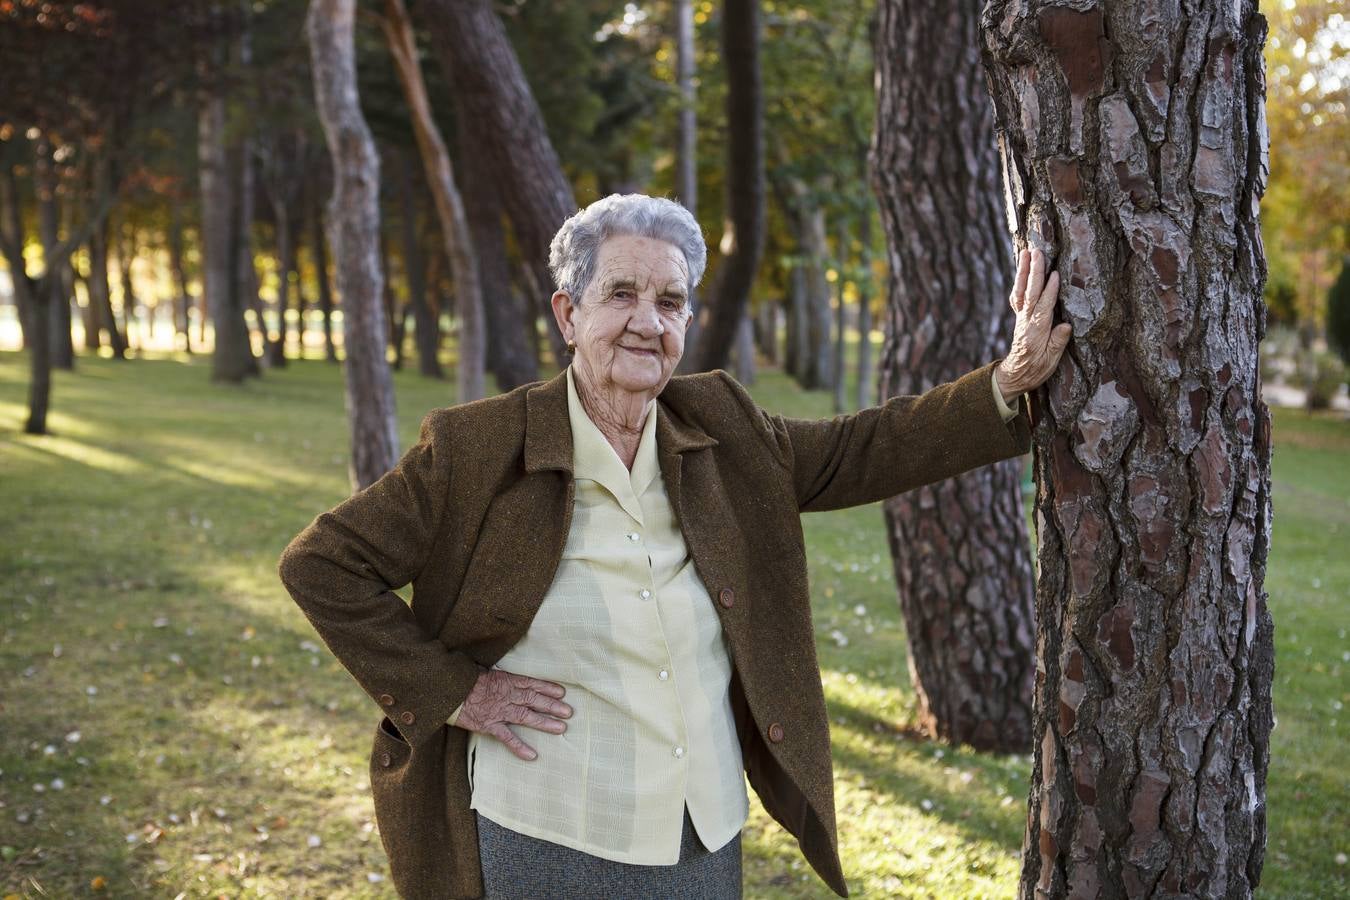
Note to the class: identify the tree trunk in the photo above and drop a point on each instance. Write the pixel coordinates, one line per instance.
(840, 318)
(960, 547)
(125, 237)
(686, 149)
(354, 232)
(866, 390)
(509, 317)
(503, 117)
(232, 358)
(320, 245)
(183, 299)
(1135, 155)
(425, 330)
(743, 235)
(449, 205)
(62, 353)
(813, 336)
(743, 357)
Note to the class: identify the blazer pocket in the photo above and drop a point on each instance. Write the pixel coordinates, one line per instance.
(408, 787)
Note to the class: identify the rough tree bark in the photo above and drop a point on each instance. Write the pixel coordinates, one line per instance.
(440, 175)
(1134, 153)
(960, 548)
(353, 222)
(503, 117)
(743, 232)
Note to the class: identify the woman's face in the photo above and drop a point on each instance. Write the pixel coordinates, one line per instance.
(629, 327)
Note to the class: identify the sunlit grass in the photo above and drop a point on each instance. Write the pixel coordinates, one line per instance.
(222, 750)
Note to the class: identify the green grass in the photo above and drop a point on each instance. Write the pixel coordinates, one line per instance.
(217, 738)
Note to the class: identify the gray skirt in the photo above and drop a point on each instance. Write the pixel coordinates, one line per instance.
(516, 865)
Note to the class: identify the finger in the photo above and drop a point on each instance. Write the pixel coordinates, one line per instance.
(1045, 303)
(1020, 285)
(513, 743)
(1036, 276)
(522, 716)
(549, 705)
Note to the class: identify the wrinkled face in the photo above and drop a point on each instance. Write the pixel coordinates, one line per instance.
(629, 327)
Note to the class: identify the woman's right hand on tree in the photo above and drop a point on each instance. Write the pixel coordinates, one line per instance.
(500, 698)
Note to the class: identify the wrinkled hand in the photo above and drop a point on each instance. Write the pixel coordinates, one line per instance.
(500, 698)
(1036, 347)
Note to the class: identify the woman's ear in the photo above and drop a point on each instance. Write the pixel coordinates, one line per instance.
(563, 311)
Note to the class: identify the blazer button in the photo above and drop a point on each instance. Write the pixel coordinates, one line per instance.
(406, 717)
(727, 597)
(385, 760)
(386, 700)
(775, 732)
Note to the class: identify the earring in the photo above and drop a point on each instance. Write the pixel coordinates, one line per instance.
(571, 347)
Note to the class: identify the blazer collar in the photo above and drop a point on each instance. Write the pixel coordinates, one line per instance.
(548, 431)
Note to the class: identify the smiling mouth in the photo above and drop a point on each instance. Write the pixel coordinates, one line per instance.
(639, 350)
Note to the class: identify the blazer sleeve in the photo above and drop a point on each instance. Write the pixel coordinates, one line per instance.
(907, 442)
(343, 568)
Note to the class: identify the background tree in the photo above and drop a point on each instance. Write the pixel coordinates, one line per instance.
(353, 232)
(1134, 151)
(743, 233)
(960, 548)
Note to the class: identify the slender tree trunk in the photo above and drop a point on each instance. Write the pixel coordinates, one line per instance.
(503, 117)
(97, 303)
(796, 353)
(686, 150)
(510, 318)
(766, 330)
(1135, 155)
(960, 547)
(425, 332)
(232, 358)
(125, 236)
(813, 365)
(866, 390)
(58, 304)
(101, 288)
(743, 355)
(840, 318)
(182, 299)
(320, 245)
(744, 229)
(11, 241)
(354, 232)
(449, 205)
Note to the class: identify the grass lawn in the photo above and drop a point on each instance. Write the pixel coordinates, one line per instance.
(170, 724)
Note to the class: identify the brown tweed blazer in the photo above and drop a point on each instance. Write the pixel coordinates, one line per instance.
(475, 516)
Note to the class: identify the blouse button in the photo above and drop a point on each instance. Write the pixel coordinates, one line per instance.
(633, 536)
(679, 752)
(645, 593)
(663, 674)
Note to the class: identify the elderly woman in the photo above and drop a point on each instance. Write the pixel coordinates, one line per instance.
(613, 560)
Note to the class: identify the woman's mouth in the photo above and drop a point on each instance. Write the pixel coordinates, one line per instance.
(639, 350)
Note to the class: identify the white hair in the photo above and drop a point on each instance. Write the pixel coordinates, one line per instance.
(572, 252)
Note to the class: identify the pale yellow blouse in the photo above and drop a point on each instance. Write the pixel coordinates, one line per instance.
(628, 628)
